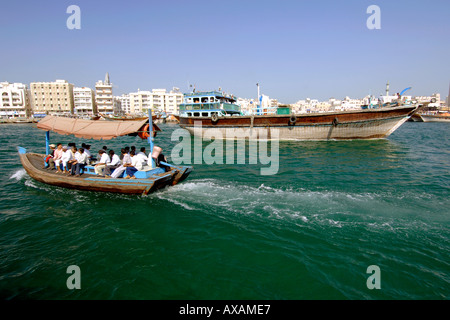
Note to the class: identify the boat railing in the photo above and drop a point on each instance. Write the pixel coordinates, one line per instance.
(208, 106)
(209, 93)
(262, 111)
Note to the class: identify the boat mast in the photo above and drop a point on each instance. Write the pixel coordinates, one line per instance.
(150, 133)
(258, 106)
(47, 142)
(448, 99)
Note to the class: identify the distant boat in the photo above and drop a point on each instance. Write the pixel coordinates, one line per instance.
(124, 118)
(219, 113)
(416, 117)
(425, 113)
(437, 117)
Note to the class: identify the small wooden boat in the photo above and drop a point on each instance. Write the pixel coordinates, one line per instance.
(147, 180)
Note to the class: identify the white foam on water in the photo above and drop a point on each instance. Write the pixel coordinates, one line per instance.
(18, 175)
(303, 206)
(381, 211)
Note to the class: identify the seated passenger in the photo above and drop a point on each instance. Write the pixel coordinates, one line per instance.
(126, 159)
(157, 157)
(73, 152)
(142, 155)
(49, 159)
(79, 162)
(136, 164)
(102, 163)
(66, 157)
(158, 161)
(114, 164)
(57, 157)
(87, 148)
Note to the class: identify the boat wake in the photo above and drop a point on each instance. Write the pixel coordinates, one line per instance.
(302, 207)
(18, 175)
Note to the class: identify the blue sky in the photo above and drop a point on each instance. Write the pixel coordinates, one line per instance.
(293, 49)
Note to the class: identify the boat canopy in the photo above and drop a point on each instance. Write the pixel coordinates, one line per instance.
(93, 129)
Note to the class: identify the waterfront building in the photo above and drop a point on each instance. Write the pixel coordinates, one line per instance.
(351, 104)
(300, 106)
(84, 101)
(167, 102)
(51, 97)
(104, 96)
(125, 103)
(157, 99)
(322, 106)
(117, 106)
(140, 102)
(247, 105)
(435, 96)
(15, 100)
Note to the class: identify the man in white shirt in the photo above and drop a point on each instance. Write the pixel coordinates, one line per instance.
(114, 164)
(86, 148)
(136, 164)
(126, 160)
(81, 159)
(142, 154)
(65, 158)
(102, 163)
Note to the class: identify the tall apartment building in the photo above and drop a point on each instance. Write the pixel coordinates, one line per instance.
(140, 102)
(167, 101)
(104, 96)
(51, 97)
(157, 100)
(15, 101)
(125, 105)
(117, 106)
(84, 101)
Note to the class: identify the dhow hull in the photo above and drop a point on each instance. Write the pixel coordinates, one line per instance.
(365, 124)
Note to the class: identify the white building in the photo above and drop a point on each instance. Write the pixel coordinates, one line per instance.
(51, 97)
(117, 106)
(125, 103)
(435, 96)
(351, 104)
(167, 101)
(140, 102)
(15, 101)
(246, 105)
(104, 96)
(84, 101)
(157, 99)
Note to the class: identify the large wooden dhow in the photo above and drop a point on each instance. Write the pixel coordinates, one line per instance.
(147, 181)
(220, 117)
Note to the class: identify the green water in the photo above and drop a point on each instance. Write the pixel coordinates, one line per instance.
(227, 232)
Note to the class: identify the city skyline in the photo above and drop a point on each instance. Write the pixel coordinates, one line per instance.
(293, 49)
